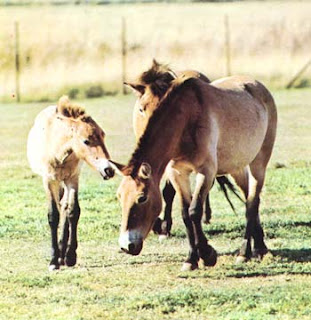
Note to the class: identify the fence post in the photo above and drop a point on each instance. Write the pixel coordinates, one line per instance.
(124, 54)
(17, 62)
(227, 46)
(298, 74)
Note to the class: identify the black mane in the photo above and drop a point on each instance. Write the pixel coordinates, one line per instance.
(165, 105)
(158, 77)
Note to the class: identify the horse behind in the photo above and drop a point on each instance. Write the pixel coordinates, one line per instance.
(230, 128)
(61, 137)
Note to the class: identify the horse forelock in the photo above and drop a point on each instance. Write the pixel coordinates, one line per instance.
(158, 77)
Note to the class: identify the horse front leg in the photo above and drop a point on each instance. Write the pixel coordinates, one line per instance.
(179, 177)
(204, 182)
(72, 218)
(51, 189)
(163, 227)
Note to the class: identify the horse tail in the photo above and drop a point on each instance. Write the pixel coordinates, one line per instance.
(225, 183)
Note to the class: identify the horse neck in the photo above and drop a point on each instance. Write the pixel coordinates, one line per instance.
(159, 144)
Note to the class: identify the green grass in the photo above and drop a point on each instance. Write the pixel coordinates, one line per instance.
(106, 284)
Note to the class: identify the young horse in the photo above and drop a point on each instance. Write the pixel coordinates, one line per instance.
(162, 76)
(61, 137)
(229, 129)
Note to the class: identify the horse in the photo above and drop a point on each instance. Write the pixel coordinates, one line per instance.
(230, 128)
(141, 114)
(63, 136)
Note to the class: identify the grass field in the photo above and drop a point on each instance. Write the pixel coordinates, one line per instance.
(106, 284)
(74, 47)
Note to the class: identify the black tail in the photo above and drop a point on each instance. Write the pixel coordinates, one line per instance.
(225, 183)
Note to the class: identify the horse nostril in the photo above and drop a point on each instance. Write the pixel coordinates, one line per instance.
(109, 172)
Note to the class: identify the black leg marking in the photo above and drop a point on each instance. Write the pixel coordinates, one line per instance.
(205, 251)
(73, 218)
(193, 257)
(208, 211)
(163, 227)
(53, 218)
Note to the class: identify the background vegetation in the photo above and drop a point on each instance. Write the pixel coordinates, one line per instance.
(76, 48)
(106, 284)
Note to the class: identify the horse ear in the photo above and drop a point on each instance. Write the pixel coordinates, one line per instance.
(144, 171)
(155, 64)
(137, 88)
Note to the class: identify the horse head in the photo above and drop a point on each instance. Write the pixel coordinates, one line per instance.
(86, 138)
(141, 204)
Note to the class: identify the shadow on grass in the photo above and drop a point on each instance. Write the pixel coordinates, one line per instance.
(293, 255)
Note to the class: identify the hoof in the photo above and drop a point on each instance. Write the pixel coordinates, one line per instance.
(163, 237)
(209, 257)
(53, 267)
(71, 260)
(241, 260)
(187, 266)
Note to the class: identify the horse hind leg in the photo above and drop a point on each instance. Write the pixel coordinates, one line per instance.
(242, 180)
(258, 172)
(253, 226)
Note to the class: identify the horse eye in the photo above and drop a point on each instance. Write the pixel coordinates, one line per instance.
(141, 199)
(86, 142)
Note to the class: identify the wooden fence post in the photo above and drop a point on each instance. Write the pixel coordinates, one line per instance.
(124, 54)
(17, 62)
(227, 46)
(298, 74)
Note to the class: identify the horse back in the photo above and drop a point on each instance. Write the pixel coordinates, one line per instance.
(240, 112)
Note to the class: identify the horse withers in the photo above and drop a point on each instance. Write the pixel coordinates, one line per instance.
(61, 137)
(230, 128)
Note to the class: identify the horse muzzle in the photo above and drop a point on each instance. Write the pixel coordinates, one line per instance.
(129, 244)
(107, 173)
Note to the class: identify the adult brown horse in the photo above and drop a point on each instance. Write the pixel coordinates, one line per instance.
(142, 112)
(61, 137)
(230, 128)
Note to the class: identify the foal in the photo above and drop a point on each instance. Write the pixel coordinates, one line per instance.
(63, 136)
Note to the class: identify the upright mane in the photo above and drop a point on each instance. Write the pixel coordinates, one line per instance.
(158, 77)
(66, 108)
(167, 102)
